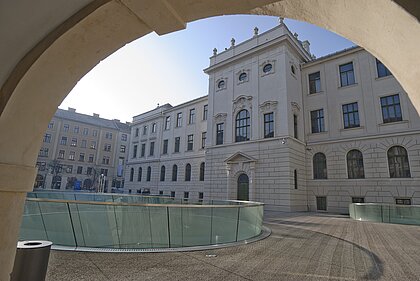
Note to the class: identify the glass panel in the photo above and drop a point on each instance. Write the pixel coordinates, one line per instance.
(175, 225)
(98, 225)
(32, 227)
(196, 224)
(57, 223)
(249, 217)
(134, 228)
(159, 227)
(224, 225)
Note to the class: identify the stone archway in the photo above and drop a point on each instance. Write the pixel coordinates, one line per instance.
(39, 70)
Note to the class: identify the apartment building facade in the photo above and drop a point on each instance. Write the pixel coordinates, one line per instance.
(82, 152)
(281, 127)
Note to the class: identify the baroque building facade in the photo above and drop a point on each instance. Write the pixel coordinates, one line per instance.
(284, 128)
(82, 152)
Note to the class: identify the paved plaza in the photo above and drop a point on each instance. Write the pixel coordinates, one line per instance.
(302, 246)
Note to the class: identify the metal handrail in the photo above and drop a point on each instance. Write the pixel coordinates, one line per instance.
(244, 203)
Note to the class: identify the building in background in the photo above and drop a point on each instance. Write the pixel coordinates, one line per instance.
(284, 128)
(82, 152)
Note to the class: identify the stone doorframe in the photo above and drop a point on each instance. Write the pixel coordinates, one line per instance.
(237, 164)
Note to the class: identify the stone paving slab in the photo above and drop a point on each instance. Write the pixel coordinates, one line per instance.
(302, 246)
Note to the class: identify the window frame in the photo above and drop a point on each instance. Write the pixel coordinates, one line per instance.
(319, 172)
(242, 124)
(346, 72)
(354, 161)
(350, 110)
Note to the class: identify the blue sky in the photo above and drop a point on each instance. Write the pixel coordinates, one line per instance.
(169, 69)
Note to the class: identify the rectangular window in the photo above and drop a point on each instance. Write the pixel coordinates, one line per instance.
(73, 142)
(357, 200)
(122, 148)
(51, 125)
(295, 126)
(134, 151)
(79, 170)
(144, 130)
(391, 109)
(177, 143)
(124, 137)
(403, 201)
(143, 150)
(83, 144)
(66, 127)
(85, 131)
(47, 138)
(321, 203)
(107, 147)
(154, 128)
(179, 119)
(61, 154)
(76, 129)
(71, 155)
(95, 133)
(152, 148)
(191, 118)
(82, 157)
(186, 194)
(136, 134)
(91, 157)
(219, 133)
(295, 179)
(347, 74)
(203, 139)
(173, 194)
(351, 115)
(168, 123)
(63, 141)
(314, 83)
(200, 195)
(104, 172)
(108, 135)
(382, 70)
(205, 111)
(105, 160)
(317, 121)
(269, 125)
(93, 145)
(165, 147)
(89, 171)
(160, 192)
(190, 142)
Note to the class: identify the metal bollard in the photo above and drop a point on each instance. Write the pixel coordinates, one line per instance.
(31, 261)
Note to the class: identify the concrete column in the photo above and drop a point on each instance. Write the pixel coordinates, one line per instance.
(15, 181)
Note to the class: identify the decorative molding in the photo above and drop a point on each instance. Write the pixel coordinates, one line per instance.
(220, 117)
(268, 106)
(273, 69)
(239, 73)
(240, 157)
(295, 107)
(225, 79)
(242, 102)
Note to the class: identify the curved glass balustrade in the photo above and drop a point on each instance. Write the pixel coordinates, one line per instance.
(400, 214)
(136, 222)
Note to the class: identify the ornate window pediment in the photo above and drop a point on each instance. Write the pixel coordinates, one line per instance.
(240, 157)
(268, 106)
(220, 117)
(242, 102)
(295, 107)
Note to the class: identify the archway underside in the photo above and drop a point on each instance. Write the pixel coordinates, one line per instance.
(35, 86)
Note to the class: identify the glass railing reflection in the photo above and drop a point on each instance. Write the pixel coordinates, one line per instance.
(388, 213)
(137, 222)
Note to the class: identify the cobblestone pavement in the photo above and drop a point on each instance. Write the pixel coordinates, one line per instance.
(302, 246)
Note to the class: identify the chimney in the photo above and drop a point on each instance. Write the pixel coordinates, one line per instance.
(71, 109)
(305, 45)
(96, 115)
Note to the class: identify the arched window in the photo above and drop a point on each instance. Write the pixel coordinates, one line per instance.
(131, 174)
(320, 166)
(188, 172)
(202, 165)
(398, 162)
(162, 173)
(243, 125)
(355, 169)
(140, 174)
(149, 173)
(174, 173)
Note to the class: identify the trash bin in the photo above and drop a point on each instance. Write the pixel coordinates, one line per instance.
(31, 261)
